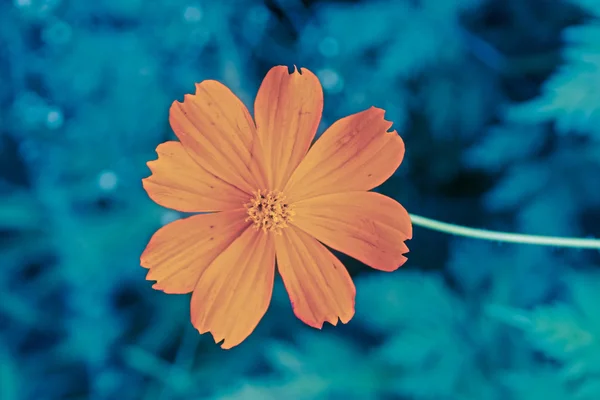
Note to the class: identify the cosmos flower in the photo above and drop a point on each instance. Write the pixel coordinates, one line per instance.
(268, 198)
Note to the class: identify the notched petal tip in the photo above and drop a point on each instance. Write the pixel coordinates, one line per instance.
(319, 286)
(367, 226)
(198, 86)
(177, 102)
(155, 277)
(178, 105)
(287, 112)
(360, 151)
(161, 288)
(400, 261)
(145, 182)
(379, 112)
(283, 68)
(294, 70)
(176, 110)
(225, 344)
(153, 166)
(179, 183)
(306, 71)
(159, 150)
(332, 320)
(146, 254)
(218, 132)
(302, 71)
(218, 339)
(234, 292)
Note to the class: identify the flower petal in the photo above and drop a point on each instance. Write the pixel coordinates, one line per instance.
(367, 226)
(234, 292)
(217, 131)
(319, 285)
(177, 182)
(287, 111)
(179, 252)
(355, 153)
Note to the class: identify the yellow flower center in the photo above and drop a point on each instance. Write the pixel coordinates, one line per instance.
(268, 211)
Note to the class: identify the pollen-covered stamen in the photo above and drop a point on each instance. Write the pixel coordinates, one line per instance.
(269, 211)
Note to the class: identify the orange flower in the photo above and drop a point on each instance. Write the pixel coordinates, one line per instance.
(269, 197)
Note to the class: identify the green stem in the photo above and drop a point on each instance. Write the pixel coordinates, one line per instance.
(504, 236)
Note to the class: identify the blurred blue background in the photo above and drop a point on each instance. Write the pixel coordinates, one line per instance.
(499, 105)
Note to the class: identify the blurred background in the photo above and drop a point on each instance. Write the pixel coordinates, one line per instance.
(498, 102)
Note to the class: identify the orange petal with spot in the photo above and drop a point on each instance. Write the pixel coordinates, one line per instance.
(179, 252)
(177, 182)
(367, 226)
(319, 285)
(217, 131)
(234, 292)
(287, 111)
(355, 153)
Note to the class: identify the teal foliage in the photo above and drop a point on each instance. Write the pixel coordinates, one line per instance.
(497, 102)
(565, 333)
(568, 97)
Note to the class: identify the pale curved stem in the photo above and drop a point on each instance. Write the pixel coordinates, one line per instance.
(504, 236)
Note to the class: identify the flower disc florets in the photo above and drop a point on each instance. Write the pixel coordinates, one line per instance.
(269, 211)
